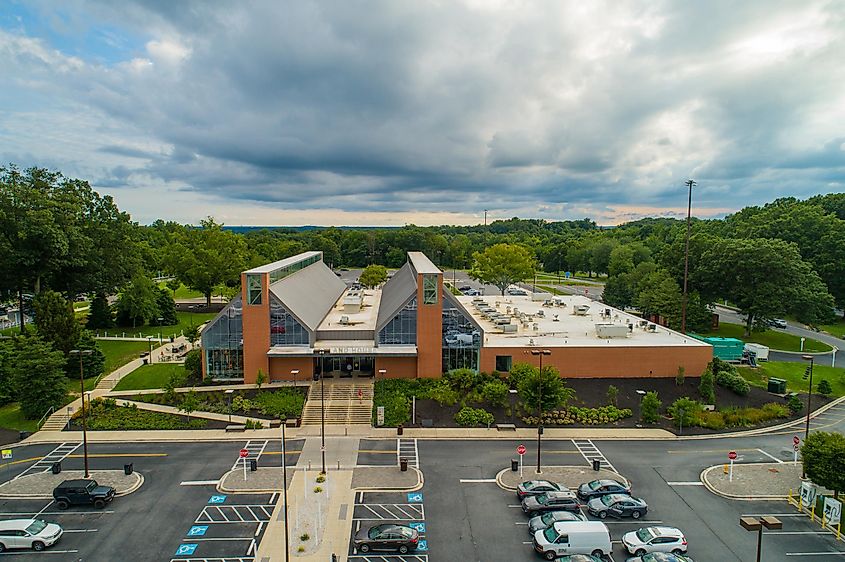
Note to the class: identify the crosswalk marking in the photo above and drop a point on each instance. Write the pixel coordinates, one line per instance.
(407, 449)
(58, 454)
(590, 452)
(254, 451)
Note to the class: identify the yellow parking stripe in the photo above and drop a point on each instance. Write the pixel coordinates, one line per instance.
(109, 455)
(697, 451)
(31, 459)
(296, 452)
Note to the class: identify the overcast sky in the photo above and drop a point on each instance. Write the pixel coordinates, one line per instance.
(393, 112)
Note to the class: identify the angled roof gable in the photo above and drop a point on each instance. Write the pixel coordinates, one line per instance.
(310, 293)
(395, 294)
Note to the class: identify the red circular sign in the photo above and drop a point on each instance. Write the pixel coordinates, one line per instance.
(795, 440)
(521, 449)
(732, 455)
(244, 453)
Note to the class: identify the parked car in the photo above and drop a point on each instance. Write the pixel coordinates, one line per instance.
(579, 558)
(660, 557)
(597, 488)
(573, 537)
(465, 288)
(388, 536)
(778, 323)
(655, 539)
(543, 522)
(537, 487)
(82, 492)
(36, 534)
(550, 501)
(617, 505)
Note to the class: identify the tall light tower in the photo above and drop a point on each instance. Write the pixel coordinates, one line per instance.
(690, 184)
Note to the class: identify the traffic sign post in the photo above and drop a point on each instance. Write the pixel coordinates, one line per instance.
(520, 450)
(731, 457)
(243, 454)
(795, 446)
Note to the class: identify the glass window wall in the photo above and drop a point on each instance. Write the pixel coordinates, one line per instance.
(461, 338)
(223, 343)
(429, 288)
(402, 330)
(253, 288)
(284, 329)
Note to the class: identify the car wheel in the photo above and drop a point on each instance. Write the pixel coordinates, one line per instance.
(62, 504)
(678, 551)
(532, 514)
(2, 547)
(549, 555)
(403, 549)
(602, 514)
(598, 553)
(99, 504)
(38, 546)
(636, 515)
(639, 552)
(365, 548)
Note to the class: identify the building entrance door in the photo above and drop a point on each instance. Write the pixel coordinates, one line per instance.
(348, 366)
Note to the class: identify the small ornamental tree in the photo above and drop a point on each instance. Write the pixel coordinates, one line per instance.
(824, 388)
(193, 366)
(612, 395)
(679, 378)
(260, 378)
(650, 407)
(190, 403)
(684, 411)
(706, 388)
(547, 390)
(823, 453)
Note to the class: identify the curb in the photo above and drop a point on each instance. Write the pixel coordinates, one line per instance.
(507, 488)
(420, 483)
(134, 488)
(713, 490)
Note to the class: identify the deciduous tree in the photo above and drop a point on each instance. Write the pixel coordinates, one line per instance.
(502, 265)
(373, 275)
(823, 454)
(548, 391)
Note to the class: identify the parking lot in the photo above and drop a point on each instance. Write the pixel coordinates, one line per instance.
(374, 508)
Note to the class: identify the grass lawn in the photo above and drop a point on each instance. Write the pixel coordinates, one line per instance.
(149, 376)
(836, 329)
(12, 418)
(793, 373)
(73, 384)
(770, 338)
(186, 320)
(119, 353)
(183, 292)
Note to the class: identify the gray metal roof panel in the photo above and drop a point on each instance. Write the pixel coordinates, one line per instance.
(309, 293)
(422, 264)
(269, 267)
(398, 290)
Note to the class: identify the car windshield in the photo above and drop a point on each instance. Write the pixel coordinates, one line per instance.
(550, 534)
(594, 484)
(548, 518)
(658, 557)
(36, 527)
(645, 534)
(91, 485)
(543, 498)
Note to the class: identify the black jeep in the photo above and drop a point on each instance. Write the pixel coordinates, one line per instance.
(82, 492)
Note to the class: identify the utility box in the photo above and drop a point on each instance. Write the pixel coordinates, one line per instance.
(777, 386)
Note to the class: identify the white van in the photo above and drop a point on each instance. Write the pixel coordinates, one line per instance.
(28, 533)
(573, 537)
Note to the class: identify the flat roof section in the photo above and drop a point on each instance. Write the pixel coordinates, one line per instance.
(270, 267)
(343, 317)
(567, 320)
(421, 263)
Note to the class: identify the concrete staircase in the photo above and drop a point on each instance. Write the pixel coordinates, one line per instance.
(56, 422)
(344, 405)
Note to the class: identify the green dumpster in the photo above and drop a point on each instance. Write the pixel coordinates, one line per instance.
(777, 386)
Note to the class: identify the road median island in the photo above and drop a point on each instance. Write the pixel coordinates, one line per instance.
(262, 481)
(753, 481)
(569, 476)
(386, 479)
(40, 485)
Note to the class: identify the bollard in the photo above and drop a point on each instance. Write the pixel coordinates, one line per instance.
(399, 429)
(338, 464)
(514, 465)
(725, 468)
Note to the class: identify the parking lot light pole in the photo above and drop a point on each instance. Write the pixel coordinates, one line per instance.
(690, 184)
(285, 490)
(757, 524)
(540, 353)
(322, 353)
(80, 353)
(229, 394)
(294, 373)
(809, 358)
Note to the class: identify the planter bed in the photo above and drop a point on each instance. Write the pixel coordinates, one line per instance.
(215, 401)
(105, 415)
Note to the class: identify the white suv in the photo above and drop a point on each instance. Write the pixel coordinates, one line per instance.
(28, 533)
(655, 539)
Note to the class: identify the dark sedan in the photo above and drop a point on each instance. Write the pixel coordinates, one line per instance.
(596, 488)
(543, 522)
(660, 557)
(550, 501)
(617, 505)
(537, 487)
(388, 536)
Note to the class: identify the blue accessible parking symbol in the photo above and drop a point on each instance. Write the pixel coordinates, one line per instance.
(186, 549)
(422, 545)
(415, 497)
(197, 530)
(418, 527)
(217, 499)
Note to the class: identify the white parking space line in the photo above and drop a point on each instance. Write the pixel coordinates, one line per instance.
(477, 480)
(831, 553)
(637, 521)
(773, 515)
(774, 533)
(770, 456)
(692, 483)
(7, 553)
(80, 530)
(199, 483)
(388, 558)
(200, 539)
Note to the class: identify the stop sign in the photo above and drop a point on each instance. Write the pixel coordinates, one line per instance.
(732, 455)
(521, 449)
(243, 453)
(795, 440)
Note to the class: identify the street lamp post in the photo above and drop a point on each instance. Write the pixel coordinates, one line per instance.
(294, 373)
(229, 394)
(285, 491)
(80, 353)
(150, 341)
(540, 353)
(322, 353)
(757, 524)
(809, 373)
(690, 184)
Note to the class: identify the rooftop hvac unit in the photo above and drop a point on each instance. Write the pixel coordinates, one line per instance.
(548, 303)
(652, 327)
(531, 341)
(556, 319)
(541, 314)
(344, 320)
(581, 310)
(509, 328)
(536, 326)
(611, 331)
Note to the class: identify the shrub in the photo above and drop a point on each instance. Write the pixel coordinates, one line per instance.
(317, 489)
(728, 377)
(443, 394)
(684, 411)
(495, 392)
(824, 387)
(775, 410)
(105, 414)
(283, 403)
(612, 394)
(794, 404)
(518, 372)
(710, 420)
(706, 388)
(252, 424)
(320, 479)
(679, 378)
(470, 417)
(304, 537)
(584, 416)
(650, 407)
(462, 380)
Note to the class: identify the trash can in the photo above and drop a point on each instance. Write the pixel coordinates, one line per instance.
(56, 468)
(145, 360)
(253, 465)
(128, 469)
(399, 429)
(596, 465)
(403, 464)
(172, 339)
(23, 435)
(514, 465)
(777, 386)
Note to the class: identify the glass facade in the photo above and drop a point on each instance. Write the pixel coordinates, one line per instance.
(284, 329)
(402, 329)
(461, 338)
(253, 288)
(504, 363)
(283, 272)
(430, 288)
(223, 343)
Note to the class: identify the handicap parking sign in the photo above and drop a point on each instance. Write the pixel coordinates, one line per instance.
(197, 530)
(418, 527)
(186, 549)
(217, 499)
(415, 497)
(422, 545)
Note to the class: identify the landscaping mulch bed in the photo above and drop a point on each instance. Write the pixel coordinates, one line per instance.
(219, 396)
(592, 393)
